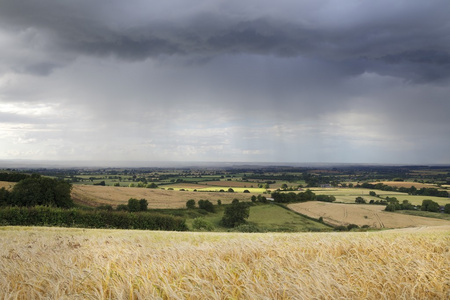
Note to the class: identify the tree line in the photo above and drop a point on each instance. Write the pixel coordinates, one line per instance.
(410, 191)
(13, 176)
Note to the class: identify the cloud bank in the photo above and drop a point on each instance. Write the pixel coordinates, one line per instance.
(299, 81)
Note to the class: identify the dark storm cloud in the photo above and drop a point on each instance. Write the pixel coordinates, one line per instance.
(406, 39)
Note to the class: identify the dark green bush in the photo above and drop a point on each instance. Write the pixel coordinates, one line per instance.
(447, 208)
(206, 205)
(41, 191)
(429, 205)
(190, 204)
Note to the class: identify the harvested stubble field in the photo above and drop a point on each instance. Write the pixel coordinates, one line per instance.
(157, 198)
(7, 185)
(362, 214)
(57, 263)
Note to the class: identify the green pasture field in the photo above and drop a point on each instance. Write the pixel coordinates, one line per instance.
(267, 217)
(276, 218)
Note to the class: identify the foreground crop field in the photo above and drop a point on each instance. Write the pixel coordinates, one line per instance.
(362, 214)
(55, 263)
(96, 195)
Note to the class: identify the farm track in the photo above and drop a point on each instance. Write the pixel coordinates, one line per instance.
(379, 220)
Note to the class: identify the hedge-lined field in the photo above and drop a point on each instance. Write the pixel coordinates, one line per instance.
(48, 216)
(57, 263)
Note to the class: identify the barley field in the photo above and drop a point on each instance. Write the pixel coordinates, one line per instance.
(58, 263)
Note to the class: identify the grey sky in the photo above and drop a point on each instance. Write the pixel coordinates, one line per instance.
(291, 81)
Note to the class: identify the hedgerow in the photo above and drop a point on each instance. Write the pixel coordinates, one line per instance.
(50, 216)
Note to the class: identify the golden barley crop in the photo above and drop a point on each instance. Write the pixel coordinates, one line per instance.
(58, 263)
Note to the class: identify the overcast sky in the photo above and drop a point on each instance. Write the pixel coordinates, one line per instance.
(244, 81)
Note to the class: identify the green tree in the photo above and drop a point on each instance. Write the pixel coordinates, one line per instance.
(230, 190)
(372, 193)
(360, 200)
(206, 205)
(235, 214)
(39, 190)
(143, 205)
(429, 205)
(133, 205)
(447, 208)
(390, 207)
(190, 204)
(4, 197)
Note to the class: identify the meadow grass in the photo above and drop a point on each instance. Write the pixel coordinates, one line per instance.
(266, 217)
(56, 263)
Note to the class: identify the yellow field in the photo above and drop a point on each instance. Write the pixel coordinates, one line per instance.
(362, 214)
(56, 263)
(96, 195)
(7, 185)
(408, 184)
(228, 184)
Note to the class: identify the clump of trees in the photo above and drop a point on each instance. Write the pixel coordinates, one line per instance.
(13, 176)
(190, 204)
(410, 191)
(236, 214)
(326, 198)
(202, 204)
(360, 200)
(429, 205)
(307, 195)
(134, 205)
(37, 190)
(206, 205)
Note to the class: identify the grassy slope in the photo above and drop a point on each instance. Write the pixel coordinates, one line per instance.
(267, 217)
(112, 264)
